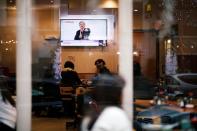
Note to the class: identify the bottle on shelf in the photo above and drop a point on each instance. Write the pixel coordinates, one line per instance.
(181, 102)
(190, 98)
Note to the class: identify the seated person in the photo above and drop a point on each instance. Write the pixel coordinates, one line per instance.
(101, 68)
(7, 108)
(69, 75)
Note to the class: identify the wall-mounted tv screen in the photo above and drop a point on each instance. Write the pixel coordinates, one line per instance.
(84, 31)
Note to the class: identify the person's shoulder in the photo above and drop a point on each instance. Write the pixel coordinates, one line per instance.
(66, 72)
(63, 72)
(114, 109)
(110, 118)
(70, 71)
(75, 73)
(114, 113)
(77, 31)
(105, 70)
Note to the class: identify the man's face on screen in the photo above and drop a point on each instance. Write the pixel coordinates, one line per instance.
(81, 25)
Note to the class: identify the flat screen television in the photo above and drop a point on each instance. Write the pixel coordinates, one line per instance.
(95, 32)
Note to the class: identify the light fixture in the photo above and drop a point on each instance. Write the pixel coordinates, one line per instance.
(135, 10)
(169, 41)
(90, 53)
(108, 4)
(135, 53)
(118, 53)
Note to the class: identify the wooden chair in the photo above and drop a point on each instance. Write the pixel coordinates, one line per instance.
(70, 98)
(67, 93)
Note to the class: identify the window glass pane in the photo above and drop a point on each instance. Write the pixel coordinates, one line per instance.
(191, 79)
(164, 46)
(59, 88)
(8, 41)
(7, 64)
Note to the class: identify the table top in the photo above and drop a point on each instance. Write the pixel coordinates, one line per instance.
(172, 104)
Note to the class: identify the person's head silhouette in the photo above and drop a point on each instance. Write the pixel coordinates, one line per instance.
(108, 90)
(84, 32)
(101, 68)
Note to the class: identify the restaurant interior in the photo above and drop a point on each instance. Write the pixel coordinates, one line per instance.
(162, 50)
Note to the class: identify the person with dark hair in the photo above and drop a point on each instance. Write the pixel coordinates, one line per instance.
(69, 75)
(83, 33)
(136, 68)
(106, 116)
(101, 68)
(69, 64)
(7, 108)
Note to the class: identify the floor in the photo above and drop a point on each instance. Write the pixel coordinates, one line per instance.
(49, 124)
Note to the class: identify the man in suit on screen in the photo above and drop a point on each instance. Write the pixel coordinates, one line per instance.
(83, 33)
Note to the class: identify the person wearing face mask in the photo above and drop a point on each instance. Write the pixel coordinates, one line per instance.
(83, 33)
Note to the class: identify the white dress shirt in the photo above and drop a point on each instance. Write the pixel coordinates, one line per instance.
(7, 113)
(111, 119)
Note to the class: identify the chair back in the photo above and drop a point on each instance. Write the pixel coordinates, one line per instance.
(67, 93)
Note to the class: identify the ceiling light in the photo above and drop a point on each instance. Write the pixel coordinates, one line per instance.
(108, 4)
(169, 41)
(135, 10)
(135, 53)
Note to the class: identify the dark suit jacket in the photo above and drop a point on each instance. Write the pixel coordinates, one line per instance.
(85, 34)
(77, 35)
